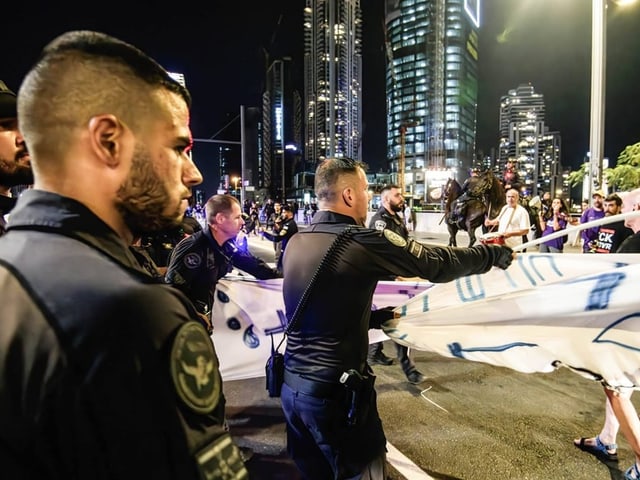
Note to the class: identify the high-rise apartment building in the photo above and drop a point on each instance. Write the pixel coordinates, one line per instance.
(281, 130)
(333, 71)
(525, 138)
(432, 90)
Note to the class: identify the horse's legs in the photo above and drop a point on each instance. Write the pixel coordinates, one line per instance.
(452, 235)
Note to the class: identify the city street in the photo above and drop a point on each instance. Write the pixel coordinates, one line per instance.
(468, 420)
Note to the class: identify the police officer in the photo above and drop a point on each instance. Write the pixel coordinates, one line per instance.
(105, 373)
(333, 428)
(387, 217)
(287, 228)
(15, 168)
(201, 259)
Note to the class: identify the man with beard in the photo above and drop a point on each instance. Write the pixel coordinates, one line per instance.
(104, 373)
(595, 212)
(388, 217)
(15, 168)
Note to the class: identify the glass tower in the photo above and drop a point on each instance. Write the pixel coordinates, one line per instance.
(432, 89)
(333, 78)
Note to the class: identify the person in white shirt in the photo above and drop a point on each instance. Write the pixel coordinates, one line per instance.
(512, 221)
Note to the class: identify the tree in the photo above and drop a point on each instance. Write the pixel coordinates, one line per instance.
(624, 176)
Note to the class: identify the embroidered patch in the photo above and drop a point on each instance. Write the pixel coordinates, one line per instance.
(380, 225)
(194, 368)
(192, 260)
(415, 248)
(394, 238)
(221, 459)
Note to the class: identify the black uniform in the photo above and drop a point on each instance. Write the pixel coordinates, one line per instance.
(383, 219)
(198, 262)
(6, 205)
(287, 229)
(103, 373)
(330, 336)
(631, 244)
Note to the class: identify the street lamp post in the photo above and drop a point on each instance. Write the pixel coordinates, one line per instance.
(598, 82)
(598, 77)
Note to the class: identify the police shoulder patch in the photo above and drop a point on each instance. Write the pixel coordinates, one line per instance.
(394, 238)
(194, 368)
(380, 225)
(192, 260)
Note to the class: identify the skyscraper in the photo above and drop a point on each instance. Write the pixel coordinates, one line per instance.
(281, 134)
(333, 71)
(525, 138)
(432, 89)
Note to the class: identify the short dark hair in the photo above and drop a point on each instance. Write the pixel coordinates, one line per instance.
(81, 74)
(391, 186)
(219, 203)
(329, 171)
(614, 197)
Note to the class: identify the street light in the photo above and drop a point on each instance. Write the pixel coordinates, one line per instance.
(598, 80)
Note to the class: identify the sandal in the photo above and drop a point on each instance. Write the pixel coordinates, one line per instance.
(599, 449)
(633, 470)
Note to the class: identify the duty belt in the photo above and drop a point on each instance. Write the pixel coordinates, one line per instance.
(313, 388)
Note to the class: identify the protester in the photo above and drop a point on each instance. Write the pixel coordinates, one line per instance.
(512, 221)
(554, 218)
(201, 259)
(388, 217)
(620, 413)
(15, 167)
(592, 213)
(105, 373)
(328, 399)
(610, 235)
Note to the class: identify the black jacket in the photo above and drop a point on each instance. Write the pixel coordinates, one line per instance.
(99, 363)
(288, 228)
(330, 336)
(198, 262)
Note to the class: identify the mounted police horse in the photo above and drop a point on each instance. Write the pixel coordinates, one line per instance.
(467, 207)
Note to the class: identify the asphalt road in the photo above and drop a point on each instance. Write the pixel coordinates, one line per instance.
(466, 421)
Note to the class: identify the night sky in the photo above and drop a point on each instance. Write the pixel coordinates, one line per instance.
(221, 48)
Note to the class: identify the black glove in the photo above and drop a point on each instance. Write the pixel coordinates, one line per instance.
(378, 317)
(501, 256)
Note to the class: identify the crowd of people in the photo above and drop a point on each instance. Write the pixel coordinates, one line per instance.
(109, 370)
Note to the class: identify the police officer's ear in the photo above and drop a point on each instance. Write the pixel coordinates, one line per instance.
(347, 196)
(109, 139)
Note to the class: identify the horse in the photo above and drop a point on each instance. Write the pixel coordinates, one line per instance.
(482, 196)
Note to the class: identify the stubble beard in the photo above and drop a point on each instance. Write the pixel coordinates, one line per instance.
(142, 199)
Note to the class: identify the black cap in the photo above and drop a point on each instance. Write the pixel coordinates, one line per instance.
(8, 105)
(287, 207)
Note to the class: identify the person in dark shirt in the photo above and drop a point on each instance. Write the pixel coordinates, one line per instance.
(15, 166)
(200, 260)
(388, 216)
(610, 235)
(105, 373)
(287, 228)
(331, 271)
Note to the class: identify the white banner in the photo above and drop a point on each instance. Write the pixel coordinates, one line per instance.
(545, 311)
(247, 313)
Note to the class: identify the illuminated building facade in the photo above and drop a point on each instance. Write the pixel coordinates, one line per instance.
(432, 90)
(525, 138)
(333, 71)
(280, 151)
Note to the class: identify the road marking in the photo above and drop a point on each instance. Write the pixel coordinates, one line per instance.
(404, 465)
